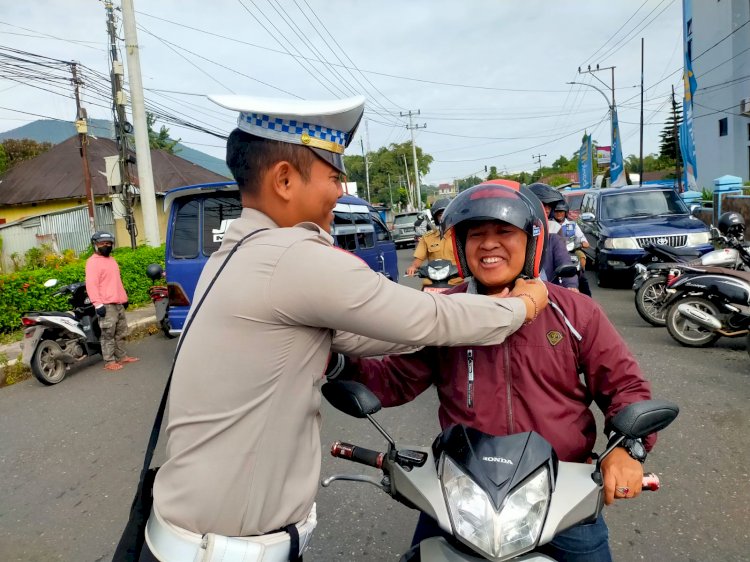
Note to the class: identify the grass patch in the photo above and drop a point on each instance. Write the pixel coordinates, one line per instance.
(11, 337)
(11, 374)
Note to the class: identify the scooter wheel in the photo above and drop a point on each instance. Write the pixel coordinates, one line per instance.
(688, 333)
(647, 299)
(45, 365)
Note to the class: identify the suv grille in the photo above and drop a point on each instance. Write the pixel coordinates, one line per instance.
(676, 241)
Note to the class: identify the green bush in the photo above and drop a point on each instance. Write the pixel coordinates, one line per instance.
(24, 290)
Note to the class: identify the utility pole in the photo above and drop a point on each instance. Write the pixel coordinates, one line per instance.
(409, 190)
(138, 108)
(641, 153)
(82, 128)
(593, 72)
(676, 143)
(538, 159)
(390, 192)
(411, 127)
(122, 127)
(367, 168)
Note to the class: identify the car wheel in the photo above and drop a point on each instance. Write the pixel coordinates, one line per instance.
(686, 332)
(648, 298)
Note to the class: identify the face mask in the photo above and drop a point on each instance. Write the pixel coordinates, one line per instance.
(105, 251)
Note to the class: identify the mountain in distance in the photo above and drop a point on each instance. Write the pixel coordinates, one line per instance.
(47, 130)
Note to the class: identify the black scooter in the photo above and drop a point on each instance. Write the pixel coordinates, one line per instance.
(160, 297)
(440, 273)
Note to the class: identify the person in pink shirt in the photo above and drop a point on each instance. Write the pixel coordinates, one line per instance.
(104, 287)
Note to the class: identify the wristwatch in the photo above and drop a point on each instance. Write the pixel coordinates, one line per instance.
(635, 449)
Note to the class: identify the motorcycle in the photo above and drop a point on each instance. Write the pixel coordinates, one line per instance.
(664, 262)
(160, 297)
(704, 304)
(494, 498)
(583, 284)
(54, 340)
(440, 273)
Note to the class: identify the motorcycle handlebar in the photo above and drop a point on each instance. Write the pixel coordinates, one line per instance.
(357, 454)
(650, 482)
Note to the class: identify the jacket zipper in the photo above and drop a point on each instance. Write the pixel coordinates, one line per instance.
(509, 387)
(470, 383)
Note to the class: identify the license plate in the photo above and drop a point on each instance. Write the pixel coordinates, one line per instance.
(435, 289)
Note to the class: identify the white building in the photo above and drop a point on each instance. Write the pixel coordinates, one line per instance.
(722, 71)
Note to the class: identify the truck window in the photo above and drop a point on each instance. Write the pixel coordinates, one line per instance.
(185, 232)
(218, 213)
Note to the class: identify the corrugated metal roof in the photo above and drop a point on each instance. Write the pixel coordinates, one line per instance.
(58, 173)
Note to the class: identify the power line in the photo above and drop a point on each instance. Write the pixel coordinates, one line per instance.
(615, 33)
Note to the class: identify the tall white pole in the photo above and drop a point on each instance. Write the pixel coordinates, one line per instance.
(140, 126)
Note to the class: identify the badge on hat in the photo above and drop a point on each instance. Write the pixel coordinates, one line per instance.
(326, 127)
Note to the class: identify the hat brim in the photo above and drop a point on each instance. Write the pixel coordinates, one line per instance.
(335, 160)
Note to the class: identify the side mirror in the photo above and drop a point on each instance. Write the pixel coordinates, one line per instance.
(640, 419)
(352, 398)
(565, 271)
(50, 283)
(694, 209)
(587, 217)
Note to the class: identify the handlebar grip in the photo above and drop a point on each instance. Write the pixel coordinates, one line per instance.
(651, 482)
(357, 454)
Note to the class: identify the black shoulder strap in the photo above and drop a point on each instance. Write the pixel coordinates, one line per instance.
(163, 404)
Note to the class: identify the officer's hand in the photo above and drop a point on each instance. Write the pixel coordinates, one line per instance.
(101, 311)
(534, 295)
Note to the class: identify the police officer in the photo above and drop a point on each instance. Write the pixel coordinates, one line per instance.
(243, 450)
(433, 245)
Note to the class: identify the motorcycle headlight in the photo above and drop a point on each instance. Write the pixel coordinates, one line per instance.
(438, 273)
(621, 244)
(696, 238)
(513, 529)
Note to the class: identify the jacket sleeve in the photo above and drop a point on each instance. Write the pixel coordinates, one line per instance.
(317, 285)
(397, 379)
(560, 256)
(93, 283)
(612, 373)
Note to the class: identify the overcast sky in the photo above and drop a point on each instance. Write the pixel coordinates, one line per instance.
(488, 76)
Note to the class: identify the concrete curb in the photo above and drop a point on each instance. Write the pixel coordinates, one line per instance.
(131, 326)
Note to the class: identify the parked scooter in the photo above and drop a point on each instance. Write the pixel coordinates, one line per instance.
(160, 297)
(440, 273)
(495, 498)
(651, 280)
(54, 340)
(704, 304)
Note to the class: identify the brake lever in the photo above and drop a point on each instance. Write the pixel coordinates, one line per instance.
(354, 478)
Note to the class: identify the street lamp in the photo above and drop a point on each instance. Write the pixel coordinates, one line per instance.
(609, 105)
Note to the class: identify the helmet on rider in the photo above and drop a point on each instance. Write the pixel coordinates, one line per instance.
(732, 224)
(103, 242)
(518, 207)
(560, 213)
(437, 209)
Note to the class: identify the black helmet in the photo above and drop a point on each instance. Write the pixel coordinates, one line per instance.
(102, 236)
(154, 271)
(439, 205)
(732, 224)
(518, 207)
(561, 206)
(546, 193)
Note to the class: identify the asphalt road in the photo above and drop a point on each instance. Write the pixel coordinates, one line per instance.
(70, 455)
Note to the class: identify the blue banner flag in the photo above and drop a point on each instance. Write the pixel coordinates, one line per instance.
(616, 169)
(686, 140)
(585, 177)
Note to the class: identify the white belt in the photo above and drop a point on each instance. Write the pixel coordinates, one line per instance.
(174, 544)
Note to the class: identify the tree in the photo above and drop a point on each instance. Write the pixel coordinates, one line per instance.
(16, 150)
(492, 175)
(4, 162)
(161, 139)
(387, 162)
(669, 148)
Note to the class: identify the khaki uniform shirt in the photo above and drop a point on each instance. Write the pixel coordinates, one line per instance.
(243, 448)
(434, 247)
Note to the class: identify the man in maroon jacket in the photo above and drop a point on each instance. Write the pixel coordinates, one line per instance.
(542, 378)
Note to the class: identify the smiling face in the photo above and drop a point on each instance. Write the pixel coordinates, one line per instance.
(314, 199)
(495, 254)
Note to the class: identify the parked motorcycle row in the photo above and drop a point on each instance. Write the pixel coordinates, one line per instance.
(699, 298)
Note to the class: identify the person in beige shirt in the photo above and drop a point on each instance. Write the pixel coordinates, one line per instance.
(243, 431)
(434, 245)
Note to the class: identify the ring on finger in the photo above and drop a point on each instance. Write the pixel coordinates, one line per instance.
(622, 490)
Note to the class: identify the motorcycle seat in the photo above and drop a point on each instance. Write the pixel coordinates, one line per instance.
(50, 313)
(739, 274)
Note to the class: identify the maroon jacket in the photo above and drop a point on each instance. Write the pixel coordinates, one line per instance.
(529, 382)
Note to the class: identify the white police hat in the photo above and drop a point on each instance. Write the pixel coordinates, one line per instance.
(326, 127)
